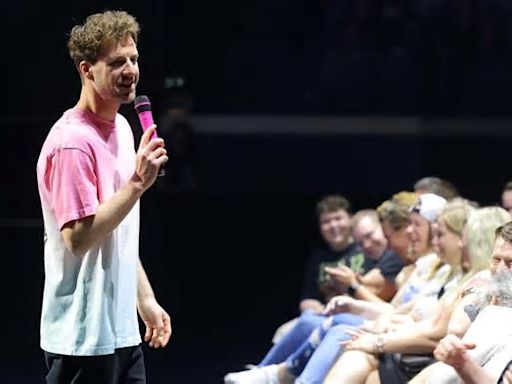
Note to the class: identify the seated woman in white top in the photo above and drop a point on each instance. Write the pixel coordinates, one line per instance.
(365, 351)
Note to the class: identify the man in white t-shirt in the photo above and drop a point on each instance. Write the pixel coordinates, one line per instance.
(90, 181)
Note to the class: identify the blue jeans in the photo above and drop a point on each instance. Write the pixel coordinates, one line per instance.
(300, 344)
(325, 355)
(307, 323)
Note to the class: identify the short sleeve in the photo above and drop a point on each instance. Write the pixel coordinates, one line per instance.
(73, 185)
(310, 282)
(390, 265)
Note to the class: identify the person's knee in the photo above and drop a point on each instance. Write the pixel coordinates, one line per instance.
(309, 321)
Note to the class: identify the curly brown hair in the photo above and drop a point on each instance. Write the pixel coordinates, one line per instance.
(86, 41)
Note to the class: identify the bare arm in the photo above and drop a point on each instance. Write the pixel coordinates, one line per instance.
(375, 282)
(454, 351)
(370, 287)
(460, 321)
(472, 373)
(410, 337)
(407, 340)
(144, 290)
(414, 338)
(423, 336)
(156, 319)
(81, 235)
(363, 292)
(368, 309)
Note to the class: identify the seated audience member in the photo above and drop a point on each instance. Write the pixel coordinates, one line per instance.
(369, 275)
(334, 219)
(368, 352)
(482, 354)
(436, 185)
(288, 358)
(380, 264)
(506, 197)
(371, 278)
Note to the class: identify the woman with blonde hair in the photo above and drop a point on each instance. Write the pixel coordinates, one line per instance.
(368, 352)
(487, 333)
(312, 360)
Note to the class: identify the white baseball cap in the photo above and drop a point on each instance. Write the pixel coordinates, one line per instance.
(429, 206)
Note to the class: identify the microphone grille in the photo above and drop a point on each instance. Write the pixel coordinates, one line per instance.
(142, 103)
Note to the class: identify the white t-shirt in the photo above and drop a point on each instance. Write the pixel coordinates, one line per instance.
(492, 335)
(89, 302)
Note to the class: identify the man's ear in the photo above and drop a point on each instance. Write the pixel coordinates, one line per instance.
(85, 69)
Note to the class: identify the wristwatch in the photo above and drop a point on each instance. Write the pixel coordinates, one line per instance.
(378, 347)
(352, 288)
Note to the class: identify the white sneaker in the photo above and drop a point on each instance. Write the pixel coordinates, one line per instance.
(263, 375)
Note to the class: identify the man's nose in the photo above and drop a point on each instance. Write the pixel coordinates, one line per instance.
(130, 69)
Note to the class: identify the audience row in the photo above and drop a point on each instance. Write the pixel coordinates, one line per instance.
(418, 290)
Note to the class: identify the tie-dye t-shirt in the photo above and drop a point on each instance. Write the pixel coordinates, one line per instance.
(89, 301)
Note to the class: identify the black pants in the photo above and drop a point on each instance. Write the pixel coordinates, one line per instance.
(126, 365)
(397, 368)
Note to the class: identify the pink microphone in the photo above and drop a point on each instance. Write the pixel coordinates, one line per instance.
(143, 109)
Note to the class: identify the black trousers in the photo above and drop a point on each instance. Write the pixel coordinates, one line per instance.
(397, 368)
(126, 365)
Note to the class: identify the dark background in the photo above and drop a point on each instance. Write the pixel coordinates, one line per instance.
(226, 260)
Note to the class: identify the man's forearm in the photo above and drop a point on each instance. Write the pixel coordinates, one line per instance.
(82, 235)
(144, 290)
(472, 373)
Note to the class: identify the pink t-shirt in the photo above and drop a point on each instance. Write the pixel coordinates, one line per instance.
(89, 302)
(85, 160)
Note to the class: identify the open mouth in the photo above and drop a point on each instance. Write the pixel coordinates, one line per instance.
(127, 87)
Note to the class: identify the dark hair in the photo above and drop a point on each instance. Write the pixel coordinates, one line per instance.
(436, 185)
(508, 186)
(333, 203)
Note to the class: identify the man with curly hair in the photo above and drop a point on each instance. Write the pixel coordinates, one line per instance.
(90, 181)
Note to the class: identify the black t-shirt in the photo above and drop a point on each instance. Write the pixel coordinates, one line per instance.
(390, 264)
(314, 274)
(353, 257)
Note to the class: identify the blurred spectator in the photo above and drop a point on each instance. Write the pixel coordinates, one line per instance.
(436, 185)
(506, 197)
(184, 171)
(334, 218)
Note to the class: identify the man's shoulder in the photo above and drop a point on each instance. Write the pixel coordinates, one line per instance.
(352, 249)
(325, 251)
(70, 132)
(390, 256)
